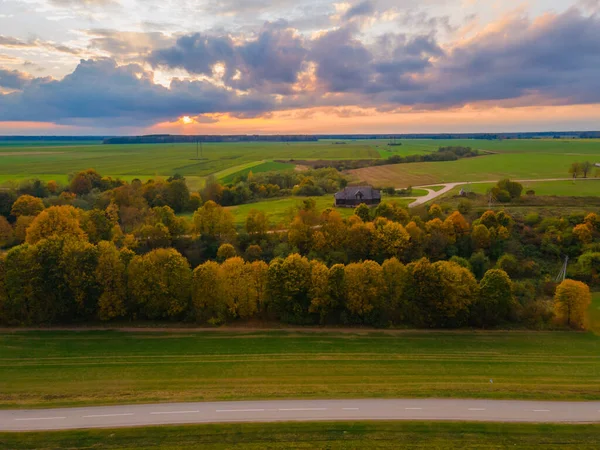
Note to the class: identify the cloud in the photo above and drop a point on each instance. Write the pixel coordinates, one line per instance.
(11, 42)
(13, 79)
(365, 8)
(271, 61)
(101, 92)
(83, 3)
(554, 59)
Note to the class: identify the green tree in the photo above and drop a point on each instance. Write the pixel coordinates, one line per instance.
(79, 261)
(495, 299)
(394, 278)
(571, 302)
(159, 284)
(257, 224)
(575, 169)
(586, 168)
(236, 290)
(363, 212)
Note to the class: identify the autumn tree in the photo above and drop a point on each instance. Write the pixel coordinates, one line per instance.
(83, 182)
(364, 290)
(480, 237)
(214, 222)
(225, 252)
(394, 278)
(257, 282)
(583, 232)
(159, 284)
(571, 302)
(586, 168)
(207, 303)
(56, 221)
(97, 225)
(6, 232)
(257, 224)
(26, 205)
(288, 288)
(253, 253)
(320, 301)
(392, 239)
(79, 261)
(110, 275)
(495, 299)
(236, 291)
(575, 169)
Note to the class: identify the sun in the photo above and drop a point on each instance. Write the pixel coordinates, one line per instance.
(186, 120)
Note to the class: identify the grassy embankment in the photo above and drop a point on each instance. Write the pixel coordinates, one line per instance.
(353, 435)
(52, 368)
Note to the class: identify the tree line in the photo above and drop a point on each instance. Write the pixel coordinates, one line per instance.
(63, 280)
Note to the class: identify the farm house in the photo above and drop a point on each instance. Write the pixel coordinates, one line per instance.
(353, 196)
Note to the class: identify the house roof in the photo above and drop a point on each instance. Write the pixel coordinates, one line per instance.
(351, 192)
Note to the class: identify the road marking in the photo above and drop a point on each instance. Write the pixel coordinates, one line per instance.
(350, 409)
(175, 412)
(476, 409)
(302, 409)
(107, 415)
(43, 418)
(240, 410)
(541, 410)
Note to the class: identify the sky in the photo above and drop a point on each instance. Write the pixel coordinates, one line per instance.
(129, 67)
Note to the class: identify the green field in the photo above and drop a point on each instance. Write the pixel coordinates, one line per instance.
(269, 166)
(69, 368)
(576, 188)
(148, 160)
(525, 159)
(595, 312)
(351, 435)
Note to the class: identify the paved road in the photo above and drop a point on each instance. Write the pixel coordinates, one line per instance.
(299, 410)
(449, 186)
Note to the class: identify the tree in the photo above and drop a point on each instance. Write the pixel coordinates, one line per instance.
(435, 211)
(20, 228)
(583, 232)
(586, 168)
(480, 237)
(7, 199)
(513, 188)
(26, 205)
(79, 261)
(364, 289)
(392, 240)
(257, 279)
(55, 221)
(111, 277)
(215, 222)
(288, 288)
(83, 182)
(509, 264)
(575, 169)
(253, 253)
(495, 299)
(235, 287)
(571, 303)
(225, 252)
(257, 224)
(96, 225)
(159, 284)
(177, 195)
(206, 297)
(320, 301)
(6, 232)
(363, 212)
(394, 278)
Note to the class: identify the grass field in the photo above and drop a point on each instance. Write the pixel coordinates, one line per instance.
(351, 435)
(594, 314)
(47, 369)
(535, 158)
(577, 188)
(525, 166)
(268, 166)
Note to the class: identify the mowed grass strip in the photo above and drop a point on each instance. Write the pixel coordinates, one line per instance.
(43, 369)
(329, 435)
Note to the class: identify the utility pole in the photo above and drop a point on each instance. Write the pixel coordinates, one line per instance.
(562, 275)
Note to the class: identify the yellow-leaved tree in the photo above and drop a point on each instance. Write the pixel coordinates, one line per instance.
(111, 275)
(571, 303)
(59, 221)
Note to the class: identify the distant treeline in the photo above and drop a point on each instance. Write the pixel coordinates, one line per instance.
(442, 154)
(50, 138)
(172, 139)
